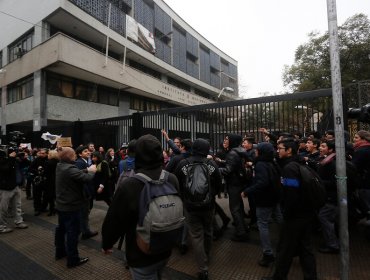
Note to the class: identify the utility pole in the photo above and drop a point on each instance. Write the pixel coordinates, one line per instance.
(339, 138)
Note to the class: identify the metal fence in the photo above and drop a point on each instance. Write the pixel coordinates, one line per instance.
(304, 112)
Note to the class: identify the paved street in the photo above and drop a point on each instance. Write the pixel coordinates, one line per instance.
(29, 254)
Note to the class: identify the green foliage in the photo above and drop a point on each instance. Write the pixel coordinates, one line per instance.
(311, 69)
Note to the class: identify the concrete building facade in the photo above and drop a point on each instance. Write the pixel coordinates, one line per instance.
(68, 60)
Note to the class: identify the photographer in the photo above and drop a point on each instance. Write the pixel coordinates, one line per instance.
(10, 193)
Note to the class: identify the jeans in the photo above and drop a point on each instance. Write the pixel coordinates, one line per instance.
(327, 216)
(263, 218)
(66, 236)
(152, 272)
(10, 200)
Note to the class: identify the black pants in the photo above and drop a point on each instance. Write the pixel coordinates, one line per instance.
(237, 210)
(40, 202)
(296, 239)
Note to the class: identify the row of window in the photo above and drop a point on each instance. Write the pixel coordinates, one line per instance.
(77, 89)
(142, 104)
(71, 88)
(20, 90)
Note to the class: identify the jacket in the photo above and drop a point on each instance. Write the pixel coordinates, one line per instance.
(8, 173)
(122, 218)
(294, 203)
(69, 184)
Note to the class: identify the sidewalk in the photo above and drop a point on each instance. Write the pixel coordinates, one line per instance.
(29, 254)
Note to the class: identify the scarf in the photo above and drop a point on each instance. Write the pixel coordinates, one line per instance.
(361, 143)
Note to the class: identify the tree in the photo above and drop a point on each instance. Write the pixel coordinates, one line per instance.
(311, 69)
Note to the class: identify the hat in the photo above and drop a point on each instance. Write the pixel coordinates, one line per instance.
(149, 154)
(200, 147)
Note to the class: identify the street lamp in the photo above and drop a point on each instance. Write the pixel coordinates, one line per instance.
(225, 89)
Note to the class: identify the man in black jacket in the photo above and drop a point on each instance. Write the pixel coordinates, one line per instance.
(122, 216)
(199, 218)
(83, 154)
(265, 188)
(296, 233)
(70, 198)
(10, 193)
(233, 173)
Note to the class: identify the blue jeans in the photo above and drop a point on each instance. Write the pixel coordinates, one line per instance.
(263, 218)
(66, 236)
(152, 272)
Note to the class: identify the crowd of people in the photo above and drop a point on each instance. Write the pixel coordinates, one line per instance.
(66, 182)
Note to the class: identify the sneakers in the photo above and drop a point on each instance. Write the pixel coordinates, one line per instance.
(6, 230)
(21, 225)
(266, 260)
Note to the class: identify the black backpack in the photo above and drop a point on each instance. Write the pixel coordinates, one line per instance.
(313, 188)
(197, 189)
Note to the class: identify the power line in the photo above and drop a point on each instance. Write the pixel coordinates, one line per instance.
(33, 24)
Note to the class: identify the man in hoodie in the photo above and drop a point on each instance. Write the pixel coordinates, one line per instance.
(199, 218)
(235, 177)
(122, 216)
(265, 188)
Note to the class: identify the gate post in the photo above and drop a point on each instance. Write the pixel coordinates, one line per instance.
(137, 125)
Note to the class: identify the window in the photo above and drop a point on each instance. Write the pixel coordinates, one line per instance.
(72, 88)
(20, 90)
(142, 104)
(20, 47)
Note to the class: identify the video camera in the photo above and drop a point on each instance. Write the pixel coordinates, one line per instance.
(361, 114)
(16, 137)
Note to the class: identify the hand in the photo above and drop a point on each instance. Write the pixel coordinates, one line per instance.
(92, 169)
(164, 132)
(100, 189)
(107, 251)
(243, 195)
(263, 130)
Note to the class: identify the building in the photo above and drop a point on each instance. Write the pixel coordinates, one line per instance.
(56, 67)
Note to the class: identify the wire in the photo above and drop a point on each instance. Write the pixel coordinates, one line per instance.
(33, 24)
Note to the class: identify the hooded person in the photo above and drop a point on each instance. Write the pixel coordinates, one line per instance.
(265, 190)
(235, 178)
(123, 214)
(198, 193)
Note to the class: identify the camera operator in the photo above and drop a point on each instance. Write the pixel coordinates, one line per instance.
(10, 193)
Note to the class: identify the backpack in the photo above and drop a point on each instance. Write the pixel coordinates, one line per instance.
(197, 189)
(40, 178)
(313, 188)
(161, 215)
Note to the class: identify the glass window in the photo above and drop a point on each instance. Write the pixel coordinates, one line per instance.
(54, 87)
(82, 92)
(67, 89)
(20, 47)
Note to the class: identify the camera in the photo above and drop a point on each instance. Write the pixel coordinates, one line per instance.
(361, 114)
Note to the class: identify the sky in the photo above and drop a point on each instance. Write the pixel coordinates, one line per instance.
(262, 35)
